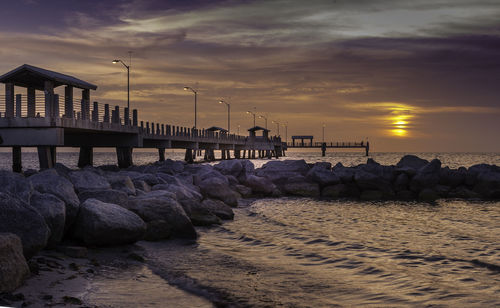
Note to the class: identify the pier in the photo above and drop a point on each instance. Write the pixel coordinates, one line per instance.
(40, 118)
(307, 142)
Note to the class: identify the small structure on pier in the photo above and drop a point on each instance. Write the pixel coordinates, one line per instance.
(253, 132)
(216, 129)
(302, 138)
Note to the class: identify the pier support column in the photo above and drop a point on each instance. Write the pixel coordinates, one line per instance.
(367, 148)
(16, 160)
(223, 154)
(86, 157)
(45, 157)
(161, 154)
(323, 149)
(124, 155)
(205, 157)
(188, 157)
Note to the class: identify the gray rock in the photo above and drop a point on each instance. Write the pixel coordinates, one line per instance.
(203, 217)
(13, 267)
(426, 177)
(371, 195)
(88, 180)
(323, 176)
(232, 180)
(323, 165)
(105, 195)
(150, 179)
(171, 167)
(50, 182)
(369, 181)
(408, 171)
(121, 182)
(248, 169)
(104, 224)
(346, 175)
(141, 185)
(488, 184)
(16, 185)
(412, 161)
(259, 185)
(452, 177)
(243, 190)
(53, 210)
(296, 166)
(462, 192)
(401, 182)
(218, 208)
(24, 221)
(428, 195)
(219, 188)
(406, 195)
(335, 191)
(230, 167)
(164, 217)
(303, 189)
(442, 190)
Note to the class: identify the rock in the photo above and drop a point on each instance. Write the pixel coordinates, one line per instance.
(369, 181)
(150, 179)
(104, 224)
(15, 185)
(62, 170)
(259, 185)
(488, 184)
(141, 185)
(232, 180)
(218, 208)
(88, 180)
(13, 267)
(230, 167)
(122, 183)
(428, 195)
(442, 190)
(426, 177)
(334, 191)
(243, 190)
(24, 221)
(323, 165)
(279, 172)
(53, 210)
(171, 167)
(323, 176)
(74, 251)
(406, 195)
(164, 217)
(408, 171)
(371, 195)
(412, 161)
(48, 181)
(219, 188)
(183, 194)
(451, 177)
(346, 175)
(105, 195)
(303, 189)
(462, 192)
(248, 169)
(203, 217)
(401, 182)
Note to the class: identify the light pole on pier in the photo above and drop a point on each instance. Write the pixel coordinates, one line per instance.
(228, 114)
(324, 132)
(263, 117)
(252, 113)
(195, 98)
(128, 76)
(286, 131)
(238, 129)
(277, 126)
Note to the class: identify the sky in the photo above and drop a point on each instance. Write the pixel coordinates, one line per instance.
(409, 76)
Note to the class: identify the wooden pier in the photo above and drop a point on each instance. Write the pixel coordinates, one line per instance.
(46, 121)
(307, 142)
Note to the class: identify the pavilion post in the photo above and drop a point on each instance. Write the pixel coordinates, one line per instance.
(68, 102)
(18, 105)
(9, 100)
(32, 103)
(86, 103)
(49, 98)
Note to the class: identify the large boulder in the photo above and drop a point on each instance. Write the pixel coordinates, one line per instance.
(345, 174)
(13, 267)
(53, 210)
(105, 195)
(121, 182)
(24, 221)
(49, 181)
(164, 217)
(401, 182)
(412, 161)
(229, 167)
(259, 185)
(323, 176)
(340, 191)
(186, 196)
(488, 184)
(279, 172)
(170, 166)
(104, 224)
(219, 188)
(88, 180)
(427, 176)
(218, 208)
(369, 181)
(16, 185)
(303, 189)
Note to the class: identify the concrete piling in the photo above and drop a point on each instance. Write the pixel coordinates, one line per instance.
(86, 157)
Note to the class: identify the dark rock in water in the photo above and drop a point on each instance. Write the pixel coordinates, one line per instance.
(204, 217)
(452, 178)
(303, 189)
(122, 183)
(406, 195)
(408, 171)
(369, 181)
(29, 172)
(295, 166)
(442, 190)
(323, 165)
(53, 210)
(13, 270)
(186, 196)
(24, 221)
(323, 176)
(229, 167)
(243, 190)
(219, 188)
(488, 183)
(401, 182)
(88, 180)
(105, 195)
(346, 175)
(427, 176)
(104, 224)
(335, 191)
(428, 195)
(259, 185)
(218, 208)
(15, 185)
(371, 195)
(141, 185)
(462, 192)
(412, 161)
(248, 169)
(164, 216)
(48, 181)
(109, 168)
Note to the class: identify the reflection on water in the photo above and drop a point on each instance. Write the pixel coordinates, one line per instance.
(306, 253)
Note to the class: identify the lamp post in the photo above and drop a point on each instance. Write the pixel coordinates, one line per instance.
(128, 80)
(277, 126)
(252, 113)
(286, 131)
(324, 132)
(238, 129)
(195, 97)
(263, 117)
(228, 114)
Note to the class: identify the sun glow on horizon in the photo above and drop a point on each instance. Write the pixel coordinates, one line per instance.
(400, 120)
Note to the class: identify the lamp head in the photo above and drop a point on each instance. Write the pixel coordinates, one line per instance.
(186, 88)
(116, 61)
(220, 102)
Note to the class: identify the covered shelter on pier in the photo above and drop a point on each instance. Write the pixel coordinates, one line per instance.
(253, 132)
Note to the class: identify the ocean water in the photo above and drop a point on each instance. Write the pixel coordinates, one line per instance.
(301, 252)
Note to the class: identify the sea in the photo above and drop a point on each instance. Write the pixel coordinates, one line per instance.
(303, 252)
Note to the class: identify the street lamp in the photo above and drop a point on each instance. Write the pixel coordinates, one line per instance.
(277, 126)
(228, 114)
(324, 132)
(128, 80)
(239, 129)
(263, 117)
(195, 95)
(252, 113)
(286, 131)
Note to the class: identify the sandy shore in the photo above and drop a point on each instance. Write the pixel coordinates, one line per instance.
(111, 277)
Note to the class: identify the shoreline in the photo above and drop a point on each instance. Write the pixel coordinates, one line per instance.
(107, 206)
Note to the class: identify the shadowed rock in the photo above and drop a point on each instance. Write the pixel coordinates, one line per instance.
(14, 269)
(16, 185)
(412, 161)
(259, 185)
(122, 183)
(53, 210)
(105, 195)
(88, 180)
(303, 189)
(427, 176)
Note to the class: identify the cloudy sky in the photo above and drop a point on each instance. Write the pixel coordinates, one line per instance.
(408, 75)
